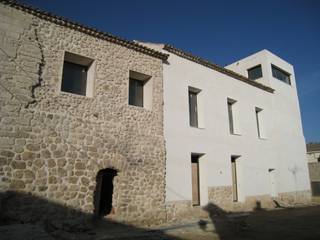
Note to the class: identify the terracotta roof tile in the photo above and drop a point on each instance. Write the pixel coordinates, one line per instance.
(85, 29)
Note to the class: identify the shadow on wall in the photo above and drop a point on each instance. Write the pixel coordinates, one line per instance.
(61, 222)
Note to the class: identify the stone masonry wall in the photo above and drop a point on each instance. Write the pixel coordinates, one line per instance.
(52, 144)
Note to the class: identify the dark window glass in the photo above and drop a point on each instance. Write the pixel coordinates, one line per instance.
(280, 74)
(230, 117)
(255, 72)
(74, 78)
(193, 109)
(136, 92)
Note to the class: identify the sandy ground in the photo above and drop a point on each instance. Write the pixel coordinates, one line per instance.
(284, 223)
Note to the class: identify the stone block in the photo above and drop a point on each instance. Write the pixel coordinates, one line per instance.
(17, 184)
(18, 165)
(6, 153)
(33, 147)
(28, 156)
(80, 166)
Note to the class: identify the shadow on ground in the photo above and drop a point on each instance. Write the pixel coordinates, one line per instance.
(24, 216)
(282, 223)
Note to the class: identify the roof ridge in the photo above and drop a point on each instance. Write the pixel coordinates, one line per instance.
(216, 67)
(83, 28)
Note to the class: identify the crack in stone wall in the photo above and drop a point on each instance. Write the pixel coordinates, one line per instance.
(54, 147)
(41, 66)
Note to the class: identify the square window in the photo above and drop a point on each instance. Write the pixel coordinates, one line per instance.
(140, 90)
(280, 74)
(255, 72)
(77, 75)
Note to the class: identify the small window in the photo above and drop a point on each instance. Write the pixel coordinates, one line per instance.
(258, 110)
(77, 76)
(196, 107)
(260, 123)
(140, 90)
(280, 74)
(255, 72)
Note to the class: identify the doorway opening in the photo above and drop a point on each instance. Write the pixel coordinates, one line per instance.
(234, 173)
(272, 182)
(104, 192)
(195, 179)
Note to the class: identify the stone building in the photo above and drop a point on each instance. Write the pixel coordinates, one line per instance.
(68, 142)
(142, 132)
(313, 156)
(313, 152)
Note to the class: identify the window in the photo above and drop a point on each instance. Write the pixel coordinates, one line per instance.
(140, 90)
(255, 72)
(231, 115)
(193, 109)
(260, 123)
(196, 107)
(280, 74)
(136, 92)
(77, 75)
(258, 110)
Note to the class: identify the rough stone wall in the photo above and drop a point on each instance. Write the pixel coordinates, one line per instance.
(220, 195)
(299, 197)
(178, 209)
(313, 157)
(314, 171)
(53, 144)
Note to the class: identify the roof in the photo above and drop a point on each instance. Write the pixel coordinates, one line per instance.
(85, 29)
(313, 147)
(216, 67)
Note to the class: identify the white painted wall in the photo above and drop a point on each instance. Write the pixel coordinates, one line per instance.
(282, 149)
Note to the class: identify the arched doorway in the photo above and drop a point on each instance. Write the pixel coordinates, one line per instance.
(104, 191)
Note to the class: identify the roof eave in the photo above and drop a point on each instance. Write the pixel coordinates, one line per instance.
(216, 67)
(85, 29)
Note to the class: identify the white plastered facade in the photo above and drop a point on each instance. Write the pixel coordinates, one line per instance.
(280, 151)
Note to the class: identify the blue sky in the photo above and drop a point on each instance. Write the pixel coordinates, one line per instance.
(220, 31)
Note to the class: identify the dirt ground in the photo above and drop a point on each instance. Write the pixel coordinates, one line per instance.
(282, 223)
(285, 223)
